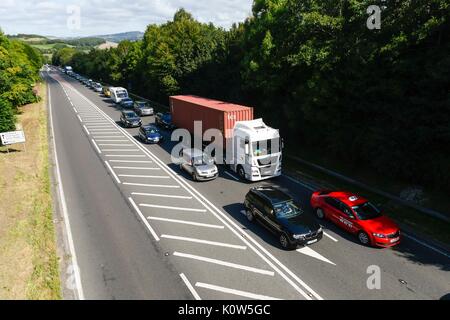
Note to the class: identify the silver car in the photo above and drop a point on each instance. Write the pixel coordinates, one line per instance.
(199, 166)
(142, 108)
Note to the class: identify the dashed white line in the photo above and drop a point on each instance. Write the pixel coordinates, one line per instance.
(190, 287)
(426, 245)
(192, 223)
(155, 236)
(150, 185)
(112, 172)
(332, 238)
(212, 243)
(234, 291)
(96, 146)
(170, 207)
(160, 195)
(224, 263)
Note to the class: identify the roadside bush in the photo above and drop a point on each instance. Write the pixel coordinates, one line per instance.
(7, 116)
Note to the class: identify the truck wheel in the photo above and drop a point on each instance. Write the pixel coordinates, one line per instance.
(241, 172)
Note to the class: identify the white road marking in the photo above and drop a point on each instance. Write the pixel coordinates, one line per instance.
(121, 150)
(212, 243)
(79, 118)
(170, 208)
(143, 176)
(75, 110)
(116, 144)
(111, 140)
(300, 183)
(224, 263)
(150, 185)
(234, 291)
(190, 287)
(73, 256)
(155, 236)
(332, 238)
(229, 174)
(256, 247)
(96, 146)
(86, 129)
(112, 172)
(125, 155)
(198, 224)
(160, 195)
(136, 168)
(105, 129)
(310, 252)
(426, 245)
(130, 161)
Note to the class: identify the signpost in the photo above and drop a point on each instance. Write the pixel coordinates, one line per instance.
(12, 137)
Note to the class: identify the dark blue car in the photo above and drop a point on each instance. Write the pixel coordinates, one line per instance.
(150, 134)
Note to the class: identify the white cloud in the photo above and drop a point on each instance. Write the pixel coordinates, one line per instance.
(49, 17)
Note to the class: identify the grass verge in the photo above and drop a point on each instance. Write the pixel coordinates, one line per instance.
(28, 258)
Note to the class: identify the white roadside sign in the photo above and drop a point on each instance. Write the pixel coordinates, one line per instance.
(12, 137)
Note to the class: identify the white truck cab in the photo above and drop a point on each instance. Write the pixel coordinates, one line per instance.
(257, 150)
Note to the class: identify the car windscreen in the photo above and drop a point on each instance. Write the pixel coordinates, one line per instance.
(287, 210)
(142, 104)
(151, 130)
(131, 115)
(366, 211)
(122, 94)
(202, 160)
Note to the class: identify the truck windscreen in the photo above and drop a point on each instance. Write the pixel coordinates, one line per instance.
(265, 147)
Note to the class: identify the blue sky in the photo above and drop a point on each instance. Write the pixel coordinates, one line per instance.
(50, 17)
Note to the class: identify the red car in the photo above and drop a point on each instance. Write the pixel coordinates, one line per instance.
(356, 215)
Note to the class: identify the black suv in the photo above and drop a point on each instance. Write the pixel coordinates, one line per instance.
(164, 120)
(130, 119)
(280, 214)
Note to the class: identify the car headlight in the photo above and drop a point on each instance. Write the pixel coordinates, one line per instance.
(379, 235)
(298, 236)
(320, 230)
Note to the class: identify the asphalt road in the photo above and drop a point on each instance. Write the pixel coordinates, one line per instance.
(142, 229)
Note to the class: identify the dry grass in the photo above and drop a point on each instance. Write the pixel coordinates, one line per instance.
(28, 259)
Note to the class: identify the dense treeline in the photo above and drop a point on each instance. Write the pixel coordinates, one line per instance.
(376, 98)
(19, 70)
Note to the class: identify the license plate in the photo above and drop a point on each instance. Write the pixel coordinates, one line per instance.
(210, 175)
(311, 241)
(395, 240)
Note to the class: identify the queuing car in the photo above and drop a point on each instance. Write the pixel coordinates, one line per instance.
(143, 108)
(97, 87)
(164, 120)
(130, 119)
(106, 91)
(279, 213)
(356, 215)
(200, 166)
(126, 103)
(150, 134)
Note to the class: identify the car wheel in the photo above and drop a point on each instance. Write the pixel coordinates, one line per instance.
(241, 172)
(320, 214)
(250, 216)
(194, 176)
(363, 238)
(284, 242)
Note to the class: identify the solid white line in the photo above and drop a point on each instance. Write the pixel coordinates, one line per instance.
(121, 150)
(136, 168)
(113, 173)
(99, 126)
(234, 291)
(143, 176)
(111, 140)
(300, 183)
(426, 245)
(149, 185)
(224, 263)
(96, 146)
(102, 130)
(73, 255)
(332, 238)
(212, 243)
(115, 144)
(229, 174)
(160, 195)
(75, 110)
(170, 208)
(130, 161)
(190, 287)
(262, 252)
(125, 155)
(149, 227)
(79, 118)
(198, 224)
(86, 129)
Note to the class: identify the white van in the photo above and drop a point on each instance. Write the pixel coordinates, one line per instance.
(118, 94)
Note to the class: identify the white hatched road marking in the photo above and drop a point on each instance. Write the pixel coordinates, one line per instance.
(87, 131)
(224, 263)
(112, 171)
(192, 223)
(142, 176)
(136, 168)
(150, 185)
(125, 155)
(234, 291)
(310, 252)
(190, 287)
(155, 236)
(130, 161)
(332, 238)
(160, 195)
(212, 243)
(96, 146)
(170, 207)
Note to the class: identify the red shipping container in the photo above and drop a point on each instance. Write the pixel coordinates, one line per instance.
(213, 114)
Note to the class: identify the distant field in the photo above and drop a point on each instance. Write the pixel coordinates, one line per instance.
(49, 46)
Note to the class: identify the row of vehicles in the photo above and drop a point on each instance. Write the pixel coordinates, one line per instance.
(273, 208)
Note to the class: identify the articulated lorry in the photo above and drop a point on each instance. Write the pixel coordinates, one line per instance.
(250, 147)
